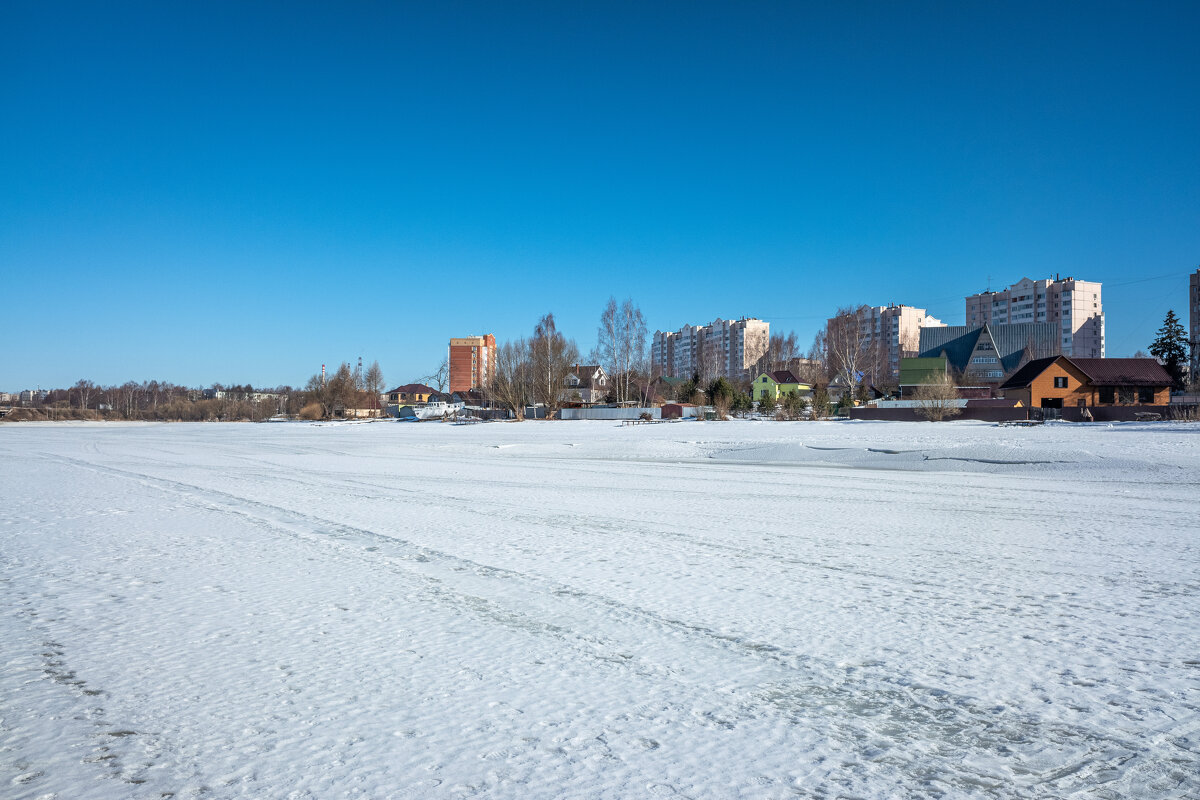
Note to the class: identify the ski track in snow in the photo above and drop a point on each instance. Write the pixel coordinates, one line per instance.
(582, 610)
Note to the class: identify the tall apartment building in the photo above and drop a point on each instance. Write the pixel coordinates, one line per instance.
(1194, 307)
(722, 347)
(472, 362)
(1073, 305)
(891, 332)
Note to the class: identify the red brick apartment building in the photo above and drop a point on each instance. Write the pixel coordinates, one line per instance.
(472, 362)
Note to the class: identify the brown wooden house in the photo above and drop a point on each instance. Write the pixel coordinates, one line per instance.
(1064, 382)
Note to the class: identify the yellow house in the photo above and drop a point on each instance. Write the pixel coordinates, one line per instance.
(410, 393)
(776, 384)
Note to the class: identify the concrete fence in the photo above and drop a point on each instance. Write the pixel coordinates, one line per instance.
(610, 413)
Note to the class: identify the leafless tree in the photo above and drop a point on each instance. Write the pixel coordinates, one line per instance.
(553, 356)
(782, 352)
(439, 377)
(336, 391)
(937, 399)
(704, 364)
(847, 347)
(512, 385)
(84, 389)
(621, 345)
(374, 380)
(817, 361)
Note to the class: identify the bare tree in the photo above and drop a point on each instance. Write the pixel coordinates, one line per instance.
(847, 347)
(374, 379)
(336, 391)
(83, 390)
(816, 367)
(703, 364)
(512, 385)
(621, 345)
(937, 399)
(782, 352)
(439, 377)
(608, 339)
(633, 354)
(553, 356)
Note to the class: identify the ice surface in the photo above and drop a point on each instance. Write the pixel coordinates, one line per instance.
(546, 610)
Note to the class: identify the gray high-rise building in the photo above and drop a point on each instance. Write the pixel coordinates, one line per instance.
(1075, 306)
(722, 347)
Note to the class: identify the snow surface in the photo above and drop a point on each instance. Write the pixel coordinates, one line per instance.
(545, 610)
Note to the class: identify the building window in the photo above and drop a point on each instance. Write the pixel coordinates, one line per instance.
(1060, 383)
(1145, 394)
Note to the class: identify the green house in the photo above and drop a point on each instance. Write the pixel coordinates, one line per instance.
(777, 383)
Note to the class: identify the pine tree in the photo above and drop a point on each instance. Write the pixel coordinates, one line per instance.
(1170, 347)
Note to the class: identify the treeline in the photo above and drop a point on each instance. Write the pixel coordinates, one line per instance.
(532, 371)
(348, 388)
(347, 391)
(161, 400)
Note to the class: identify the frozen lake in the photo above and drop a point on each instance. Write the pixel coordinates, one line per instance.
(546, 610)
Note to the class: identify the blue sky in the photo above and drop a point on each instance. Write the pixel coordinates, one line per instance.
(240, 192)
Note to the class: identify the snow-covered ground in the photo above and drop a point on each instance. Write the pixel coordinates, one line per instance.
(546, 610)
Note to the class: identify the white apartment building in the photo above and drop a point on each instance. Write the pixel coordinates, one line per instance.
(1073, 305)
(722, 347)
(891, 332)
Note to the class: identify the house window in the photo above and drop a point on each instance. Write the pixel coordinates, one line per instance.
(1125, 393)
(1060, 383)
(1107, 394)
(1145, 394)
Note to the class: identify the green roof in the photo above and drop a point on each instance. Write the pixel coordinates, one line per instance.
(916, 371)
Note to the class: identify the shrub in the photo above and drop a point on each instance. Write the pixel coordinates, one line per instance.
(312, 411)
(936, 399)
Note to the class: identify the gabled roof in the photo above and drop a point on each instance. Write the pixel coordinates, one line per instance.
(1011, 341)
(586, 374)
(1025, 375)
(413, 388)
(957, 346)
(782, 376)
(469, 395)
(1123, 371)
(1099, 371)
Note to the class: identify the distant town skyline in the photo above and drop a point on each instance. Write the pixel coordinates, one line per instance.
(224, 194)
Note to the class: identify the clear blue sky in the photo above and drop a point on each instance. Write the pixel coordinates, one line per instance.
(239, 192)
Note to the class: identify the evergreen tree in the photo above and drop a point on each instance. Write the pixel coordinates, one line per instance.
(794, 405)
(820, 402)
(742, 404)
(720, 388)
(1170, 347)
